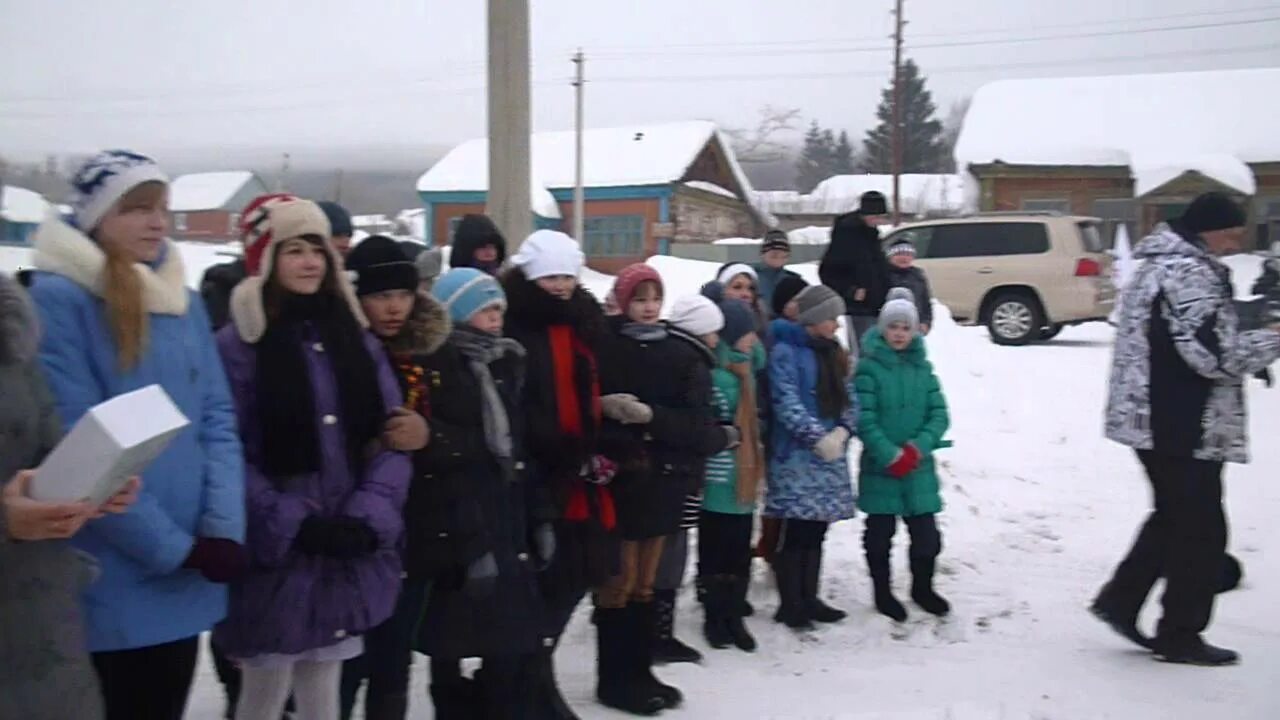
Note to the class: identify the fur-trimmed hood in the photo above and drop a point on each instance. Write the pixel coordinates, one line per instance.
(528, 306)
(63, 250)
(249, 312)
(19, 333)
(426, 331)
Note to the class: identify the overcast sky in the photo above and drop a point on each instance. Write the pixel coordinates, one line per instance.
(399, 75)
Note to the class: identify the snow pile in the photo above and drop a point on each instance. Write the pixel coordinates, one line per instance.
(710, 187)
(1150, 172)
(207, 191)
(612, 157)
(22, 205)
(1110, 120)
(920, 194)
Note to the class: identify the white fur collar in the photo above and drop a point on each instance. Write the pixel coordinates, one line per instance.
(64, 250)
(249, 313)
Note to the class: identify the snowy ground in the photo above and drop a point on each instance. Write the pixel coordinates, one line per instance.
(1040, 507)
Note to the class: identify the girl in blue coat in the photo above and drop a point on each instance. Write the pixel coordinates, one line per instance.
(117, 317)
(815, 411)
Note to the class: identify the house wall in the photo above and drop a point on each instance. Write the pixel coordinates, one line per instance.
(214, 226)
(706, 217)
(1009, 193)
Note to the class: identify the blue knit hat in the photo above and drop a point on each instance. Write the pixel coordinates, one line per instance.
(466, 291)
(738, 320)
(104, 179)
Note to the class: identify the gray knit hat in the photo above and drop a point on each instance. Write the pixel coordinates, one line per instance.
(429, 264)
(900, 307)
(818, 304)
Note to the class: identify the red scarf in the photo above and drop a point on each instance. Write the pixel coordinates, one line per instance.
(565, 347)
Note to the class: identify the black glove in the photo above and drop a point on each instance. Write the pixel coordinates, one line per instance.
(339, 537)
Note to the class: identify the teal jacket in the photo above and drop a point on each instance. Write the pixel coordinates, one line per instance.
(901, 402)
(720, 494)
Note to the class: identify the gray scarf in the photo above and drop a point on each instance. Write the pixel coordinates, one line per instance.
(645, 333)
(481, 350)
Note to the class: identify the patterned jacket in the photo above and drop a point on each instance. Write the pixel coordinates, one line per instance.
(1180, 361)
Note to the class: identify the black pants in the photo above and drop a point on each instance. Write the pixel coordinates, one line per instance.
(724, 544)
(151, 682)
(800, 535)
(503, 687)
(1184, 540)
(388, 650)
(877, 536)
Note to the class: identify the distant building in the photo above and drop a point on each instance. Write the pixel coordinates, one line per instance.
(921, 196)
(21, 211)
(646, 187)
(1130, 149)
(206, 206)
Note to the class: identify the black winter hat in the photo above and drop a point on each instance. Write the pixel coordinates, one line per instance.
(775, 240)
(872, 203)
(738, 320)
(1213, 211)
(339, 219)
(785, 291)
(379, 264)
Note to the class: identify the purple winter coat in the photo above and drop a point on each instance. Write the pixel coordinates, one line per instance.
(290, 602)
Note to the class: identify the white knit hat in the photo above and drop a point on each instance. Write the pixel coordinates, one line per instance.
(547, 253)
(104, 179)
(696, 315)
(734, 270)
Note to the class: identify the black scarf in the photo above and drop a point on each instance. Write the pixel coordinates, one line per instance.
(286, 406)
(833, 371)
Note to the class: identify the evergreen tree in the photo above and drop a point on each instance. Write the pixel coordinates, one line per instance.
(923, 150)
(843, 161)
(813, 164)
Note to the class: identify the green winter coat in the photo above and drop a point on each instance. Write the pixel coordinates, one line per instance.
(901, 402)
(720, 494)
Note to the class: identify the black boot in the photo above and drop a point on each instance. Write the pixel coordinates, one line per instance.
(1192, 650)
(716, 604)
(454, 699)
(641, 626)
(618, 682)
(791, 608)
(742, 639)
(1123, 620)
(886, 603)
(667, 648)
(811, 580)
(922, 591)
(386, 707)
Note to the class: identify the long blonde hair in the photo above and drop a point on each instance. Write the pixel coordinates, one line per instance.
(122, 286)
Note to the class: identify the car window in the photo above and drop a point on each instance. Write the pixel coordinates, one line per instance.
(988, 240)
(920, 237)
(1091, 238)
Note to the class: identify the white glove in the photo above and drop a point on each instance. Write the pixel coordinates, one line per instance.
(626, 409)
(832, 445)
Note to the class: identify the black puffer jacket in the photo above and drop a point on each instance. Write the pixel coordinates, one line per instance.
(482, 512)
(664, 461)
(215, 290)
(855, 261)
(473, 233)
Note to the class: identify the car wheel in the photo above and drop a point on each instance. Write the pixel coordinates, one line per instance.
(1051, 331)
(1015, 319)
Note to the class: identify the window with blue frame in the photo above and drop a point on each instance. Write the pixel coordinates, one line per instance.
(613, 236)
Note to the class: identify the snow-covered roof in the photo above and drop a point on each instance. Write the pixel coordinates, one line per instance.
(921, 193)
(22, 205)
(612, 157)
(710, 187)
(206, 191)
(1150, 172)
(1113, 120)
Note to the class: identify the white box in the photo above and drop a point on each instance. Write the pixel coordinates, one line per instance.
(114, 441)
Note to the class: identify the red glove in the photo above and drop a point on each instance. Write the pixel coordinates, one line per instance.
(906, 462)
(220, 560)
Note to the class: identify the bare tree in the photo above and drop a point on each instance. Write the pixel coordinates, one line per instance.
(761, 144)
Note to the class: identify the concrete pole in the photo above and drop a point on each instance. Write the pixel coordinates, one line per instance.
(508, 198)
(579, 193)
(897, 111)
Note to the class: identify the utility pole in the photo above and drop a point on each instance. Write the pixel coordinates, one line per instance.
(579, 194)
(897, 107)
(337, 187)
(282, 180)
(509, 164)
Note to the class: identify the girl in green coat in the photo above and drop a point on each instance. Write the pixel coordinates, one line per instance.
(904, 416)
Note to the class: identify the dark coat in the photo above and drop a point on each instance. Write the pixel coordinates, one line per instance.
(855, 261)
(664, 461)
(473, 233)
(914, 279)
(216, 287)
(469, 510)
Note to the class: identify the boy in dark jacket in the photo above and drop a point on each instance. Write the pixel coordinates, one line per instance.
(904, 273)
(477, 243)
(772, 270)
(412, 328)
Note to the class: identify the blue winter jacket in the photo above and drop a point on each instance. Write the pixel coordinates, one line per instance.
(802, 486)
(195, 488)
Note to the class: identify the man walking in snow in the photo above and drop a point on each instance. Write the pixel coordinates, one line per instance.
(1177, 397)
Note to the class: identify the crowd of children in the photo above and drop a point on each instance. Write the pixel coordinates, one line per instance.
(383, 459)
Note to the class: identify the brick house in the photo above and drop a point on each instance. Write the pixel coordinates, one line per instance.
(1130, 149)
(206, 206)
(645, 188)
